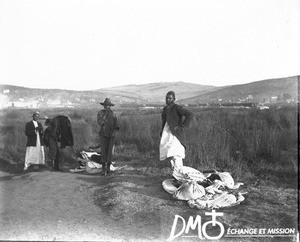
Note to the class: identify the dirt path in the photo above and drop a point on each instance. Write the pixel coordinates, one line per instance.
(49, 205)
(128, 205)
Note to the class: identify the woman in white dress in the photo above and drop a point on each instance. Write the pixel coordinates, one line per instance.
(35, 154)
(174, 120)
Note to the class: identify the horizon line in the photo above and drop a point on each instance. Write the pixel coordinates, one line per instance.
(158, 82)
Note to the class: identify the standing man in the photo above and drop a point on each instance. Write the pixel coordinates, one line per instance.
(35, 154)
(50, 141)
(108, 127)
(174, 120)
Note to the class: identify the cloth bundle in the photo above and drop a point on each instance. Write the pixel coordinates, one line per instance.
(221, 200)
(93, 167)
(186, 173)
(87, 162)
(186, 191)
(203, 190)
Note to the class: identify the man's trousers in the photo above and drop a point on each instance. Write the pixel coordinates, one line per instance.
(106, 144)
(54, 153)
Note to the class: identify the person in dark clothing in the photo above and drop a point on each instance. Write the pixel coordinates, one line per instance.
(175, 119)
(108, 127)
(50, 141)
(63, 131)
(59, 130)
(34, 146)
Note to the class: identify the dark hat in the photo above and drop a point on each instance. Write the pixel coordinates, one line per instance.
(107, 102)
(48, 120)
(171, 93)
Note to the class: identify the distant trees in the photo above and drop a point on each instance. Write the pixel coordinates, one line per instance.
(284, 97)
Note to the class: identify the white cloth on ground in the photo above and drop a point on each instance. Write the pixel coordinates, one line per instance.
(186, 173)
(186, 191)
(221, 200)
(169, 145)
(185, 187)
(35, 154)
(94, 167)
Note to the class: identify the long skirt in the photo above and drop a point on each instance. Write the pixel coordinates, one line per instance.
(170, 146)
(35, 154)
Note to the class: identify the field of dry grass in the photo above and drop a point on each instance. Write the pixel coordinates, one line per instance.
(249, 143)
(258, 147)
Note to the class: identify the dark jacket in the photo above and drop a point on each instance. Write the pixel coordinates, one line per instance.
(31, 134)
(48, 135)
(108, 123)
(62, 131)
(176, 115)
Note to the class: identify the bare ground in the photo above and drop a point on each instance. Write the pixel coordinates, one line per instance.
(128, 205)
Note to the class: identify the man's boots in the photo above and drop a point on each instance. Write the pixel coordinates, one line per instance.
(55, 166)
(52, 164)
(104, 171)
(108, 168)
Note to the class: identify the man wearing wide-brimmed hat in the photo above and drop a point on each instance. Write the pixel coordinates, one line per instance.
(108, 127)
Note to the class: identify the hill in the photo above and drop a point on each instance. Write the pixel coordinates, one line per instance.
(33, 97)
(271, 90)
(153, 93)
(259, 91)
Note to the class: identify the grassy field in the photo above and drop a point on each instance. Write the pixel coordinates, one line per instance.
(249, 143)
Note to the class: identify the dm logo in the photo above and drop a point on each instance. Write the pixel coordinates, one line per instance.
(202, 228)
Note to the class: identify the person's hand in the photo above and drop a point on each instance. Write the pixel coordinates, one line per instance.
(178, 128)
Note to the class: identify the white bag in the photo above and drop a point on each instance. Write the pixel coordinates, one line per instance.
(186, 173)
(93, 167)
(189, 191)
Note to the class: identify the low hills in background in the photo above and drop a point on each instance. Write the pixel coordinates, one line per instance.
(153, 94)
(259, 91)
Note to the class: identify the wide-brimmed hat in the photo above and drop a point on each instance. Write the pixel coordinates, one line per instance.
(107, 102)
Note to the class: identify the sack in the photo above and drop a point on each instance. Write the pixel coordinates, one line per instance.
(227, 179)
(185, 191)
(186, 173)
(222, 200)
(170, 186)
(93, 167)
(217, 201)
(189, 191)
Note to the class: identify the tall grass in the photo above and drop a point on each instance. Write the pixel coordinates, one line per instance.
(244, 142)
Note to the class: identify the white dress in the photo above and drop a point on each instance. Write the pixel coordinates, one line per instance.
(170, 146)
(35, 154)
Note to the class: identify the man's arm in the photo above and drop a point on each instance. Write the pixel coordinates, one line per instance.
(188, 115)
(116, 122)
(100, 119)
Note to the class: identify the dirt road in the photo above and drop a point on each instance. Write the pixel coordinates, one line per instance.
(128, 205)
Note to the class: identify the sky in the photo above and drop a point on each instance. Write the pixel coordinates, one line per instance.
(92, 44)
